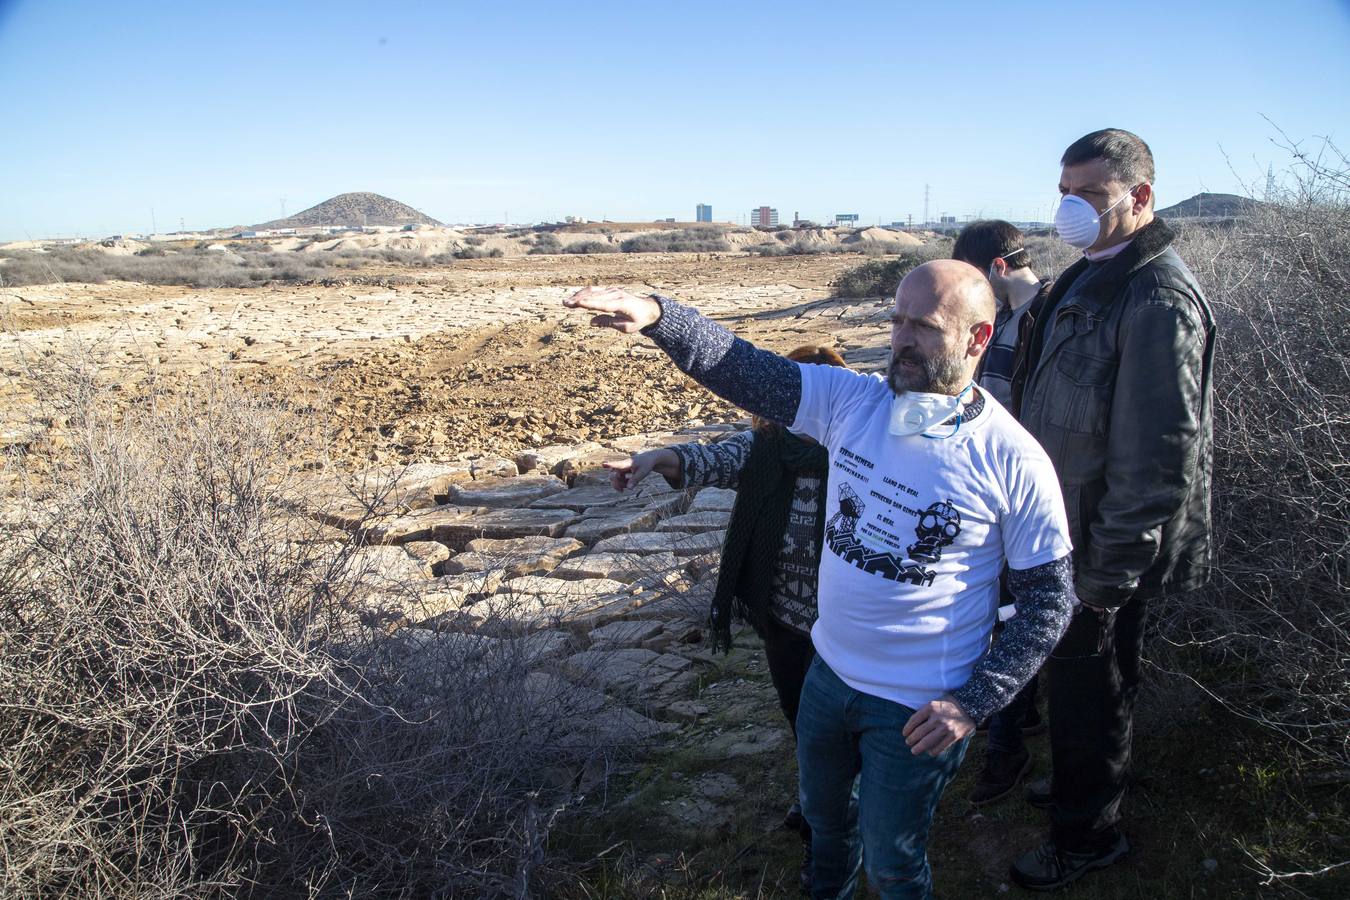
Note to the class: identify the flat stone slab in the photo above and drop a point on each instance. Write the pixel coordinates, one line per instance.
(418, 525)
(625, 567)
(712, 499)
(633, 672)
(587, 463)
(515, 556)
(507, 493)
(624, 634)
(642, 542)
(421, 485)
(615, 726)
(504, 523)
(696, 522)
(697, 544)
(594, 528)
(522, 546)
(430, 554)
(436, 647)
(547, 458)
(490, 467)
(703, 566)
(386, 567)
(443, 603)
(564, 590)
(585, 497)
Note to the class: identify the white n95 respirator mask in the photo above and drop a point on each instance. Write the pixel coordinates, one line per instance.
(1078, 223)
(914, 413)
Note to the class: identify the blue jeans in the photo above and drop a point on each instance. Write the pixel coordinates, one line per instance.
(850, 744)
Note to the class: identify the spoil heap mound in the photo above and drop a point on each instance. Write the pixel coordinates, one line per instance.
(356, 209)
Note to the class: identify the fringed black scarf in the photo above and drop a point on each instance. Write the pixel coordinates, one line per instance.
(758, 521)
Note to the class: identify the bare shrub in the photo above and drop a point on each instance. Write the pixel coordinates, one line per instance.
(1270, 637)
(193, 704)
(682, 240)
(197, 268)
(587, 247)
(477, 252)
(1049, 255)
(877, 278)
(546, 242)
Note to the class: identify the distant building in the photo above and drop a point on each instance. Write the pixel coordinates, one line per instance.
(764, 217)
(703, 213)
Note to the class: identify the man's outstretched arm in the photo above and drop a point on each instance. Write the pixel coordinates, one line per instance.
(757, 381)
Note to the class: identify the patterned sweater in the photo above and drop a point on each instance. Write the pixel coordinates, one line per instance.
(770, 385)
(792, 599)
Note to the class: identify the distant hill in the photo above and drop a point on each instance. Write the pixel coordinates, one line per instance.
(1210, 206)
(355, 209)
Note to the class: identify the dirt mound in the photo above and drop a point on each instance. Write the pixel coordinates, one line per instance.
(884, 236)
(354, 210)
(114, 247)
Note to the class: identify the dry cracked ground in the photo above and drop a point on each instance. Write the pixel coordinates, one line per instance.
(495, 408)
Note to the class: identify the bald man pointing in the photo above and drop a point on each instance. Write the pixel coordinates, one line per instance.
(932, 487)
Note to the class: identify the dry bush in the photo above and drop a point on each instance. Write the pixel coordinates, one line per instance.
(1271, 635)
(243, 265)
(588, 247)
(879, 278)
(193, 706)
(684, 240)
(198, 268)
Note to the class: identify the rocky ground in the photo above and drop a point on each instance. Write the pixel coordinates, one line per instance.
(477, 358)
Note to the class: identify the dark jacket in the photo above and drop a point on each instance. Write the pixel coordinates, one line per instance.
(1117, 386)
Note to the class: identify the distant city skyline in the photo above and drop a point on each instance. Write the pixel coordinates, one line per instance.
(134, 117)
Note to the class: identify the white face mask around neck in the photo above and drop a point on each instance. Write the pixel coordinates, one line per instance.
(914, 412)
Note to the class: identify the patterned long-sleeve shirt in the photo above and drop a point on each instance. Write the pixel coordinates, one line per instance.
(792, 597)
(770, 386)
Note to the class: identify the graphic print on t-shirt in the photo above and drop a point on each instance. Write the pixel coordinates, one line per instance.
(938, 525)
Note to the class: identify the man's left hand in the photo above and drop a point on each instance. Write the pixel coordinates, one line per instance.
(936, 726)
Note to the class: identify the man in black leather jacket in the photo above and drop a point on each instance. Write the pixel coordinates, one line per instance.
(1114, 378)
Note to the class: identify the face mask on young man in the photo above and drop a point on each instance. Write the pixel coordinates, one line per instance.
(1077, 221)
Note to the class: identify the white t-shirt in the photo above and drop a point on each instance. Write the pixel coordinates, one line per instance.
(916, 532)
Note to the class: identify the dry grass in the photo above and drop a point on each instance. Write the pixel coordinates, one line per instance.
(1270, 637)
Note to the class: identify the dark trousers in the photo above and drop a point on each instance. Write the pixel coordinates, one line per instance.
(1094, 677)
(789, 655)
(1005, 726)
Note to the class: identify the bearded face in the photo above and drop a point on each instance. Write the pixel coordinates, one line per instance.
(911, 369)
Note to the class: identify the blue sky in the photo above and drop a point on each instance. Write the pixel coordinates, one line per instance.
(211, 113)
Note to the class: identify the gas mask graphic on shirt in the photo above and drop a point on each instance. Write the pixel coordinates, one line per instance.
(938, 526)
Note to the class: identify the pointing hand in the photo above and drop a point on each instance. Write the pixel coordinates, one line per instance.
(617, 308)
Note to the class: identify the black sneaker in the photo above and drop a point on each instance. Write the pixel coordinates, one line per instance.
(1048, 867)
(1037, 793)
(792, 821)
(1001, 773)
